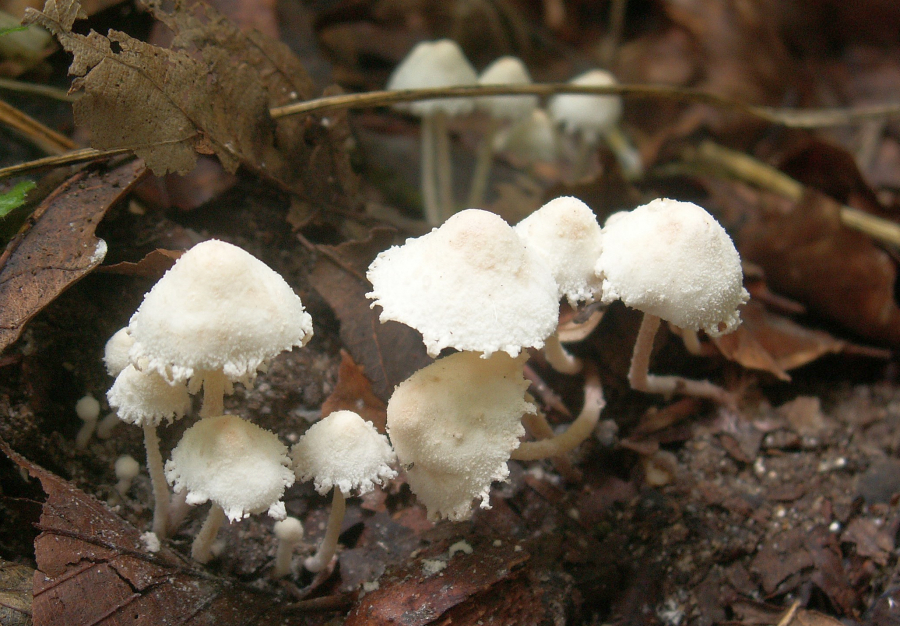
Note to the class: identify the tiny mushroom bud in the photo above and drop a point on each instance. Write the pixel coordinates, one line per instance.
(126, 469)
(672, 261)
(454, 424)
(242, 468)
(88, 410)
(345, 453)
(470, 284)
(289, 532)
(115, 354)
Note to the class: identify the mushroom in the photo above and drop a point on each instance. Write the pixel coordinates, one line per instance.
(115, 353)
(531, 139)
(595, 118)
(145, 399)
(454, 424)
(506, 70)
(342, 453)
(88, 411)
(470, 284)
(289, 533)
(126, 468)
(242, 468)
(673, 261)
(433, 64)
(215, 318)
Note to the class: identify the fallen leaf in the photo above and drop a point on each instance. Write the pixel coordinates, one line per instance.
(389, 353)
(154, 265)
(871, 541)
(60, 248)
(15, 594)
(353, 392)
(93, 569)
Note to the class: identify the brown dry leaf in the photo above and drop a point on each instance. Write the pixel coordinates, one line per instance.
(93, 569)
(61, 247)
(871, 541)
(839, 273)
(154, 265)
(389, 353)
(15, 594)
(353, 392)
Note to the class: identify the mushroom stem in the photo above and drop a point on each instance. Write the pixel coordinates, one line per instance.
(626, 154)
(107, 425)
(178, 509)
(483, 162)
(640, 378)
(584, 151)
(430, 206)
(289, 532)
(537, 426)
(201, 549)
(577, 432)
(214, 386)
(158, 481)
(559, 358)
(328, 547)
(446, 202)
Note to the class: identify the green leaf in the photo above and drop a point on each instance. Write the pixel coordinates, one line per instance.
(15, 197)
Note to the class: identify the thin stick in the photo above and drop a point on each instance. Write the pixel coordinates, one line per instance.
(158, 481)
(328, 547)
(446, 201)
(34, 89)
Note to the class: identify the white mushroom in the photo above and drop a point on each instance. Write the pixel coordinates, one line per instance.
(126, 469)
(215, 318)
(470, 284)
(434, 64)
(242, 468)
(344, 453)
(115, 353)
(88, 411)
(673, 261)
(289, 533)
(531, 139)
(454, 424)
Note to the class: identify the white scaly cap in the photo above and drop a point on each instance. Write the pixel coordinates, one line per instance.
(454, 424)
(434, 64)
(592, 116)
(343, 450)
(115, 353)
(470, 284)
(506, 70)
(146, 398)
(674, 260)
(238, 465)
(217, 309)
(566, 234)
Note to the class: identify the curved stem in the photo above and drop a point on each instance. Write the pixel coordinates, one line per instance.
(328, 547)
(639, 371)
(430, 206)
(559, 358)
(483, 162)
(626, 154)
(446, 202)
(201, 549)
(577, 432)
(537, 426)
(107, 424)
(158, 481)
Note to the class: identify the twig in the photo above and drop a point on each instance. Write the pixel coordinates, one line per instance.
(34, 131)
(33, 89)
(789, 615)
(85, 155)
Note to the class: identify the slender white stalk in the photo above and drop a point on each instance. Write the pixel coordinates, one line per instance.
(289, 532)
(85, 433)
(430, 205)
(537, 426)
(691, 341)
(328, 547)
(178, 509)
(214, 385)
(626, 154)
(201, 549)
(483, 162)
(158, 481)
(577, 432)
(559, 358)
(444, 167)
(106, 426)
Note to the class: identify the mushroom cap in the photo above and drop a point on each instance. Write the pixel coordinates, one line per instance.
(238, 465)
(434, 64)
(470, 284)
(454, 424)
(532, 138)
(674, 260)
(591, 116)
(146, 398)
(289, 530)
(506, 70)
(126, 467)
(218, 308)
(87, 408)
(566, 234)
(115, 354)
(343, 450)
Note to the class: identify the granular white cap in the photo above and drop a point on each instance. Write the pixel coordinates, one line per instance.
(146, 398)
(434, 64)
(470, 284)
(673, 260)
(566, 234)
(115, 354)
(506, 70)
(592, 116)
(454, 425)
(343, 450)
(217, 309)
(533, 138)
(88, 408)
(238, 465)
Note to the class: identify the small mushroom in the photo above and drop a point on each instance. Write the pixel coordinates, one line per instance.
(470, 284)
(88, 411)
(673, 261)
(289, 533)
(242, 468)
(115, 353)
(433, 64)
(126, 469)
(531, 139)
(344, 453)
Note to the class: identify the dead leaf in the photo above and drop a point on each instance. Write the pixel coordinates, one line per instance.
(389, 353)
(154, 265)
(871, 541)
(353, 392)
(61, 247)
(15, 594)
(93, 569)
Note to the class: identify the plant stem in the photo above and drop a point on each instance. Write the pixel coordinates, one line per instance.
(626, 154)
(430, 206)
(559, 358)
(201, 549)
(158, 481)
(328, 547)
